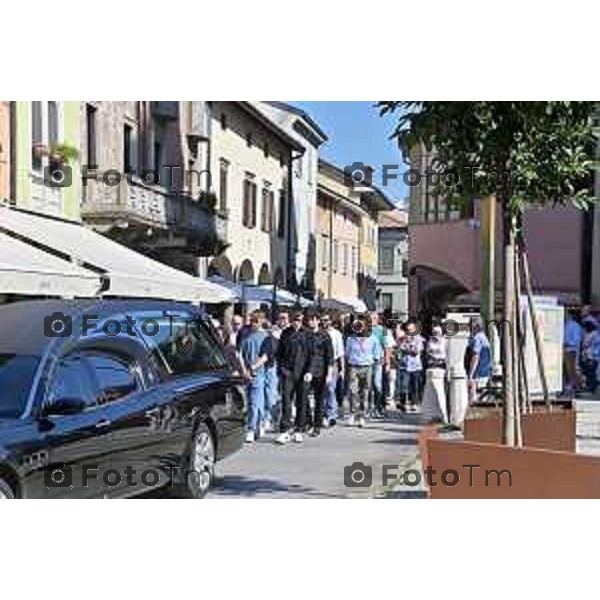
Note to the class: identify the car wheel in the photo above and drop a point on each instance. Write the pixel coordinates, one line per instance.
(6, 492)
(202, 462)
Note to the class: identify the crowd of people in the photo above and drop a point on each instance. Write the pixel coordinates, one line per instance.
(352, 367)
(307, 370)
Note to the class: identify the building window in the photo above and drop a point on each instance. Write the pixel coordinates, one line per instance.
(386, 302)
(344, 259)
(266, 211)
(324, 252)
(336, 255)
(281, 159)
(223, 180)
(271, 210)
(249, 202)
(36, 135)
(298, 166)
(405, 267)
(127, 155)
(92, 142)
(52, 123)
(386, 259)
(282, 213)
(354, 267)
(157, 158)
(223, 121)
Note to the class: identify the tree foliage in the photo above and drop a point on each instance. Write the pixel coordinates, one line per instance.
(521, 152)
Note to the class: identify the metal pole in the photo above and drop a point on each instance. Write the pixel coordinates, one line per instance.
(487, 287)
(535, 327)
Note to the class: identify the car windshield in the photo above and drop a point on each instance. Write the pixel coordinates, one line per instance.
(16, 377)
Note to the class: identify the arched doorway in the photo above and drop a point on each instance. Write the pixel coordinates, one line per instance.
(245, 272)
(221, 266)
(264, 276)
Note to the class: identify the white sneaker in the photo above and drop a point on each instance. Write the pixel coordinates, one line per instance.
(250, 437)
(261, 430)
(351, 420)
(361, 422)
(325, 423)
(297, 437)
(283, 438)
(268, 427)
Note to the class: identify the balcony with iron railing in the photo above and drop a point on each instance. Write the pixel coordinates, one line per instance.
(174, 215)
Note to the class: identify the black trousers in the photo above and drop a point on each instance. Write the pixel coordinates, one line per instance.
(318, 387)
(589, 368)
(291, 391)
(415, 381)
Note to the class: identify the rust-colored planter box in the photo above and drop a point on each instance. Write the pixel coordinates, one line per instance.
(506, 472)
(549, 430)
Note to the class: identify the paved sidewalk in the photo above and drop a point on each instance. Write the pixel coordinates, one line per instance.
(315, 468)
(588, 425)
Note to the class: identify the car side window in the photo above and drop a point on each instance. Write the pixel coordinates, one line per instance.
(73, 380)
(186, 347)
(116, 376)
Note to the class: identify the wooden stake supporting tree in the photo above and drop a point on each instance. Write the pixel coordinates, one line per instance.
(521, 153)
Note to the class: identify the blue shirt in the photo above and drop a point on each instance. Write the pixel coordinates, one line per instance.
(253, 346)
(480, 345)
(363, 351)
(573, 336)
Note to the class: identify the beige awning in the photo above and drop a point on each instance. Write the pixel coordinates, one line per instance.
(27, 270)
(129, 273)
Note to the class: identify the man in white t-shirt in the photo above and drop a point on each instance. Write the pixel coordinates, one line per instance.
(337, 341)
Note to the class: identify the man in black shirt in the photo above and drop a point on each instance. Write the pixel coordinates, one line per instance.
(291, 363)
(319, 366)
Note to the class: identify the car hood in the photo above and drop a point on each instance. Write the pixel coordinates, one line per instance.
(9, 424)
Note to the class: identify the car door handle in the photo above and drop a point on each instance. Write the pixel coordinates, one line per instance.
(103, 423)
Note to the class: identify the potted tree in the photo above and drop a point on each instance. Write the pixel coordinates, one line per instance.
(520, 154)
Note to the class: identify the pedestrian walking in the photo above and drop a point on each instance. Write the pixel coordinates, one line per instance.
(436, 349)
(291, 363)
(478, 358)
(319, 368)
(573, 338)
(362, 350)
(283, 322)
(231, 352)
(271, 378)
(254, 350)
(338, 371)
(590, 354)
(414, 344)
(381, 366)
(400, 354)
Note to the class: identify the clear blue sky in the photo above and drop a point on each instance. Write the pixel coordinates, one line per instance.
(358, 134)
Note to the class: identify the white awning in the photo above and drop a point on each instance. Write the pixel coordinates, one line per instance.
(261, 294)
(130, 273)
(264, 295)
(26, 270)
(345, 304)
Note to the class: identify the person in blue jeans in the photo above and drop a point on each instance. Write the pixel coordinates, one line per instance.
(337, 342)
(478, 358)
(254, 349)
(271, 379)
